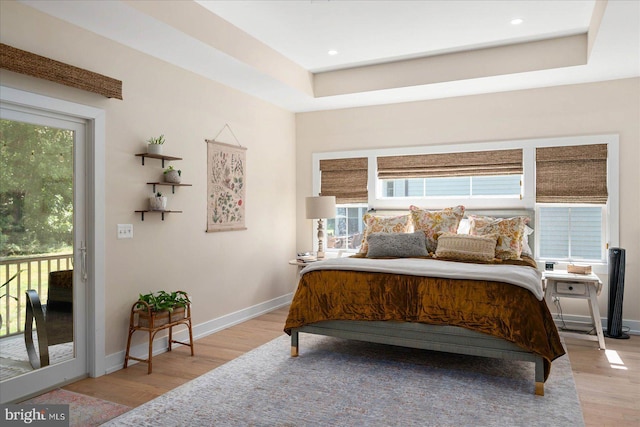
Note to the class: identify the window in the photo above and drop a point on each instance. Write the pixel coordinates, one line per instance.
(346, 229)
(459, 186)
(571, 233)
(568, 181)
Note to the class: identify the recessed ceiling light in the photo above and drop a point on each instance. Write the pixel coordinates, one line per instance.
(517, 21)
(333, 52)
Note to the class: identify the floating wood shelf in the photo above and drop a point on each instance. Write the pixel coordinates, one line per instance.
(173, 185)
(157, 156)
(160, 212)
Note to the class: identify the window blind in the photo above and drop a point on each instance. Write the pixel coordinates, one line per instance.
(570, 233)
(575, 174)
(345, 178)
(476, 163)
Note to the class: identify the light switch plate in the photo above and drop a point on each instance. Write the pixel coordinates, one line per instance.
(125, 231)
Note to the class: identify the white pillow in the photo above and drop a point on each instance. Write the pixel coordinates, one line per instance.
(526, 249)
(463, 227)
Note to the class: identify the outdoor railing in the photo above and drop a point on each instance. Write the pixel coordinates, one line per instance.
(34, 274)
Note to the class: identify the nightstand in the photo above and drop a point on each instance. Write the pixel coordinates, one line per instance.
(300, 264)
(561, 284)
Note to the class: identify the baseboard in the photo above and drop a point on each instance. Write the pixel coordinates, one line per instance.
(632, 325)
(115, 361)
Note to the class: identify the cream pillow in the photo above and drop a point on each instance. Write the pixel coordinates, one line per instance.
(466, 247)
(433, 223)
(383, 224)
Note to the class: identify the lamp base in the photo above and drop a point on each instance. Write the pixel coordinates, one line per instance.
(320, 253)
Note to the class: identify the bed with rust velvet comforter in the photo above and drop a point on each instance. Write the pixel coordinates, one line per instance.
(503, 301)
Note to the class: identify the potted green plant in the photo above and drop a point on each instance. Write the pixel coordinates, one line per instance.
(6, 294)
(172, 175)
(160, 308)
(155, 145)
(157, 202)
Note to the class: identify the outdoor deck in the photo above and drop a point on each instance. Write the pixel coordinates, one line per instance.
(33, 274)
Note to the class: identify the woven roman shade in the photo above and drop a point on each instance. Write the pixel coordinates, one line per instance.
(498, 162)
(576, 174)
(21, 61)
(345, 178)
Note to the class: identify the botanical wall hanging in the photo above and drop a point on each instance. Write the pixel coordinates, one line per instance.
(226, 186)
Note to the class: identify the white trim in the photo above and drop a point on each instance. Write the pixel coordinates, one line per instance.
(115, 361)
(613, 185)
(574, 319)
(96, 120)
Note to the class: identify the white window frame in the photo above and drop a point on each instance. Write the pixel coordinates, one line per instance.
(528, 200)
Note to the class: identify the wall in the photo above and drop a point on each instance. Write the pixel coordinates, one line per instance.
(585, 109)
(223, 272)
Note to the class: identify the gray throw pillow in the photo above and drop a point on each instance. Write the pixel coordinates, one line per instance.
(399, 245)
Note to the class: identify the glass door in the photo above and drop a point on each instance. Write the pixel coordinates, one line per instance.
(42, 251)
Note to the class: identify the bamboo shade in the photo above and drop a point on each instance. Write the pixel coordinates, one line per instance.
(576, 174)
(499, 162)
(345, 178)
(21, 61)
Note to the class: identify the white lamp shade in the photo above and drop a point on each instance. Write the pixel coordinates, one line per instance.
(321, 207)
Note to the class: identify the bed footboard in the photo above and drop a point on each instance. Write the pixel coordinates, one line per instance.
(451, 339)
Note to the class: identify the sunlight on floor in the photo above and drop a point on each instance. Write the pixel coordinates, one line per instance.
(615, 360)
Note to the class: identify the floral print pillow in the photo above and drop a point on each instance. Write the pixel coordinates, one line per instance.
(434, 222)
(384, 224)
(509, 230)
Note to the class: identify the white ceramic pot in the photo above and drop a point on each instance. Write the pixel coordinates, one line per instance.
(173, 177)
(154, 148)
(157, 203)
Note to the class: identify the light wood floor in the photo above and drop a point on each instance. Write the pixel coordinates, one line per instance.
(609, 390)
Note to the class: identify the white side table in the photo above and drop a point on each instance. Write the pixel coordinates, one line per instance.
(584, 286)
(300, 264)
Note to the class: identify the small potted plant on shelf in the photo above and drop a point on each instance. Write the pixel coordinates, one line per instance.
(155, 145)
(172, 175)
(160, 308)
(157, 202)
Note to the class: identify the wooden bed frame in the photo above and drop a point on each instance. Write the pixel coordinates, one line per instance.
(451, 339)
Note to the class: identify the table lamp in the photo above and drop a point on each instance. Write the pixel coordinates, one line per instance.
(320, 207)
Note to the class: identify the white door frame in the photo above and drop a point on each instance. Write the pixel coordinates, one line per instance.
(95, 192)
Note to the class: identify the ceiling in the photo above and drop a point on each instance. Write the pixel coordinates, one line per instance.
(366, 32)
(278, 50)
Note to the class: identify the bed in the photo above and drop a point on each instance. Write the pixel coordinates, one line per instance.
(490, 309)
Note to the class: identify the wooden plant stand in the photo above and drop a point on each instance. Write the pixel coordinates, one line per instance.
(143, 319)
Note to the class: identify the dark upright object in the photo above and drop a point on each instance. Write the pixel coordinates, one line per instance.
(616, 291)
(54, 320)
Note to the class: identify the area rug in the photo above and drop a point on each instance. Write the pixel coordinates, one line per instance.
(84, 411)
(338, 382)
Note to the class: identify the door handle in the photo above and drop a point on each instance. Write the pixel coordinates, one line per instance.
(83, 262)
